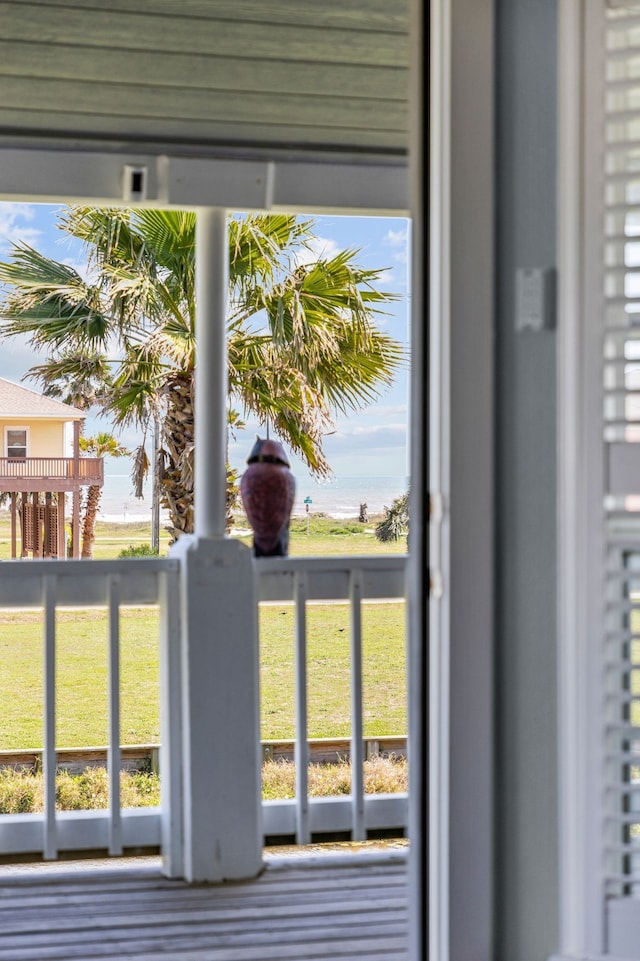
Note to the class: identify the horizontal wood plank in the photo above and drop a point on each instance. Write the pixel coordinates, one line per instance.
(294, 910)
(77, 129)
(193, 71)
(103, 99)
(386, 15)
(134, 30)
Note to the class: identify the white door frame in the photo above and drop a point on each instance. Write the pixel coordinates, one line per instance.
(460, 303)
(580, 489)
(453, 680)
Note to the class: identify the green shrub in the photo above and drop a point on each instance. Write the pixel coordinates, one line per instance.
(138, 550)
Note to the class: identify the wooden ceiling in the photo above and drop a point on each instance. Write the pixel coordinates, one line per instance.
(207, 77)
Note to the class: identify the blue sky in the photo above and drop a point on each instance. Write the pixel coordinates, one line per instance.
(372, 441)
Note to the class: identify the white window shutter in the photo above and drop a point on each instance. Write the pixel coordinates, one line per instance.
(620, 333)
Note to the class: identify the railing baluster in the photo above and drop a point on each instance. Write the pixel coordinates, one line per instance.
(171, 730)
(303, 833)
(50, 847)
(358, 831)
(113, 750)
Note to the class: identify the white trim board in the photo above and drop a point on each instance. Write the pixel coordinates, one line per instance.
(233, 183)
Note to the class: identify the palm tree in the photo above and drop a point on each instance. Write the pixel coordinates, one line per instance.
(101, 445)
(395, 522)
(302, 339)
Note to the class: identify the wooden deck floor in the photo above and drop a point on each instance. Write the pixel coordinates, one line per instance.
(336, 908)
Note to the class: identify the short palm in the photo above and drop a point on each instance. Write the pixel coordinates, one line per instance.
(302, 339)
(100, 445)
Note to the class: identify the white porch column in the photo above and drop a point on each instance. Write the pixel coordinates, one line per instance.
(222, 826)
(212, 264)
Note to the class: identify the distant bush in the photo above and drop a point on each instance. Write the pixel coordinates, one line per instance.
(324, 525)
(138, 550)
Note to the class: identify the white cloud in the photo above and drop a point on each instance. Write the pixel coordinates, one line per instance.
(397, 238)
(382, 411)
(377, 437)
(317, 248)
(14, 225)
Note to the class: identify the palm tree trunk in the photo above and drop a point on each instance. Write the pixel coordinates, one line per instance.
(89, 520)
(177, 445)
(176, 482)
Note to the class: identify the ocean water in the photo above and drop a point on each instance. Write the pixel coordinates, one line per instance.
(338, 497)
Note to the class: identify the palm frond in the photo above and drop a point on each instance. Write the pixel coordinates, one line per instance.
(304, 339)
(80, 378)
(139, 470)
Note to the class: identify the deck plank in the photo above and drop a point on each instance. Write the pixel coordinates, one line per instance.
(295, 911)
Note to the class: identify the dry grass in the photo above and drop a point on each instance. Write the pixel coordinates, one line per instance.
(382, 775)
(21, 792)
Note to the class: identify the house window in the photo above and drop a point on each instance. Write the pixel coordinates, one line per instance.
(16, 443)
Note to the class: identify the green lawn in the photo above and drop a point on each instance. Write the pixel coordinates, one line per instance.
(325, 535)
(81, 678)
(81, 668)
(81, 708)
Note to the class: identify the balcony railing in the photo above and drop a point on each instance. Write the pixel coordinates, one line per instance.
(54, 473)
(305, 580)
(48, 586)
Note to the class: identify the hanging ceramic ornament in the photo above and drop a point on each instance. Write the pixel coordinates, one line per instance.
(268, 488)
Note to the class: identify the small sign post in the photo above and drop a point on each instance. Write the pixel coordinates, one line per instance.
(308, 501)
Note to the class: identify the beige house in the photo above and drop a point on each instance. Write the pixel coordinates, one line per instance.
(39, 464)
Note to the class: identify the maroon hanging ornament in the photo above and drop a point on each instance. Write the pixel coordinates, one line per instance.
(268, 490)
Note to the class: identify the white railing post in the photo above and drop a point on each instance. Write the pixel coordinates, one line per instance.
(303, 831)
(358, 829)
(222, 813)
(171, 767)
(50, 841)
(114, 758)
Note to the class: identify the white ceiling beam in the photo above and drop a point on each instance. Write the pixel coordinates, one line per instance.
(53, 176)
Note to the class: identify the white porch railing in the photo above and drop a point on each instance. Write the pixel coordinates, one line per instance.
(303, 580)
(50, 585)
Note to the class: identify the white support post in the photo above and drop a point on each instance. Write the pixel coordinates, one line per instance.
(220, 714)
(222, 810)
(211, 372)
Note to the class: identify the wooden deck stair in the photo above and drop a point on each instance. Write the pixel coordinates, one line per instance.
(339, 907)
